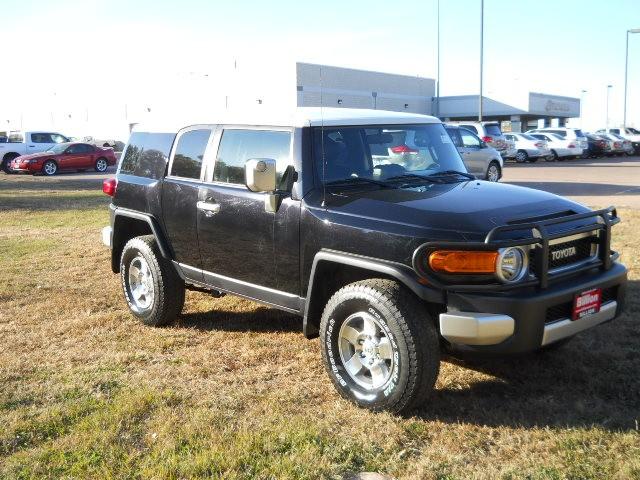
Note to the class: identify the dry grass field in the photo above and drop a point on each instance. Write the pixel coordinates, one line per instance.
(233, 390)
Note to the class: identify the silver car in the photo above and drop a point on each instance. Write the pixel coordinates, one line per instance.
(528, 148)
(480, 159)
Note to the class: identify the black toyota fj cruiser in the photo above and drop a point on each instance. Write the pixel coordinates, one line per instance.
(368, 226)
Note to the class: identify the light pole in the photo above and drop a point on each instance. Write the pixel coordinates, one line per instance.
(481, 57)
(582, 92)
(438, 64)
(607, 120)
(626, 73)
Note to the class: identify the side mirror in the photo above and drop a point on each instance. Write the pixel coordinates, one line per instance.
(260, 174)
(483, 144)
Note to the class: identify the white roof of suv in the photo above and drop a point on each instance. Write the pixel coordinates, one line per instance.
(300, 117)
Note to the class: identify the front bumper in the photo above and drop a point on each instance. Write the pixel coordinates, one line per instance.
(521, 322)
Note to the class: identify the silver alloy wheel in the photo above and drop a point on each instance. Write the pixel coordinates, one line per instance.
(365, 351)
(50, 168)
(521, 157)
(101, 165)
(493, 173)
(140, 284)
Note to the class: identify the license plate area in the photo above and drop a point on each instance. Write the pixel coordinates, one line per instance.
(586, 303)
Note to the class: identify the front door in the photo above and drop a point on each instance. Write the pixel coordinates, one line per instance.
(472, 153)
(236, 234)
(180, 196)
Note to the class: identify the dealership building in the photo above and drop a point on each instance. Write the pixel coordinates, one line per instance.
(345, 87)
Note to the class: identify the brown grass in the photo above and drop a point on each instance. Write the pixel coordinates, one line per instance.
(233, 390)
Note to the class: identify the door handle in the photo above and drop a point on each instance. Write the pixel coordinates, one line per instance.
(209, 209)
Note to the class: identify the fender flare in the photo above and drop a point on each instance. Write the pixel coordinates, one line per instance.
(400, 272)
(154, 226)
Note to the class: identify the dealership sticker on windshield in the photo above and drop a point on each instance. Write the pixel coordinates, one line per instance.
(587, 303)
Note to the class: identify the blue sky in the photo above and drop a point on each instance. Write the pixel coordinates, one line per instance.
(558, 47)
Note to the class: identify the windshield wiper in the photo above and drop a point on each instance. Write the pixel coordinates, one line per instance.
(413, 176)
(354, 180)
(452, 172)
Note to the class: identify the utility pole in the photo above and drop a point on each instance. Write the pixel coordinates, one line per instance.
(607, 120)
(438, 66)
(481, 57)
(626, 75)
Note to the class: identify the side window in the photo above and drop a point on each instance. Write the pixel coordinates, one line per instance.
(187, 161)
(41, 138)
(146, 154)
(238, 146)
(73, 149)
(469, 139)
(470, 127)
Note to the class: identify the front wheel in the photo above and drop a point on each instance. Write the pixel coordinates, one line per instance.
(50, 168)
(493, 171)
(152, 288)
(379, 346)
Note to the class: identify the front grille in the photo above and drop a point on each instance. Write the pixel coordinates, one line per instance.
(583, 248)
(564, 310)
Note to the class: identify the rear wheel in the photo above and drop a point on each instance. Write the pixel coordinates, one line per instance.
(553, 157)
(153, 290)
(522, 156)
(493, 171)
(50, 168)
(101, 165)
(379, 345)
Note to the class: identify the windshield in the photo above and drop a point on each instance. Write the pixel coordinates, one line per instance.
(383, 152)
(60, 148)
(493, 129)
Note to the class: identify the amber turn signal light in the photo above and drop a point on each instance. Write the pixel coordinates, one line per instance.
(461, 261)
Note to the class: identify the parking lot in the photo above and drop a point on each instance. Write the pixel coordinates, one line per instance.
(598, 182)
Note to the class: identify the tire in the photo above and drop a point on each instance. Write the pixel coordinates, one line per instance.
(101, 165)
(554, 156)
(407, 368)
(50, 168)
(522, 156)
(493, 172)
(162, 290)
(6, 161)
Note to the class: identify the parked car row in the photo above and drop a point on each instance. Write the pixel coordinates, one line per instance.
(50, 152)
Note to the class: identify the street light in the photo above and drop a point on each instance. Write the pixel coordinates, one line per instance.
(607, 120)
(438, 65)
(481, 55)
(626, 72)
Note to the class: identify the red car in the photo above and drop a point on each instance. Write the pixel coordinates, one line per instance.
(65, 156)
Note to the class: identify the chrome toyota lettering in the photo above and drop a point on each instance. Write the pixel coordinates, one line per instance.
(564, 253)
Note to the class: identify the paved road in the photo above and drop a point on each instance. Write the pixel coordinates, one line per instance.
(601, 182)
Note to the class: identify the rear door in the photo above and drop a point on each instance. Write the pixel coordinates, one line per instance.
(236, 234)
(180, 196)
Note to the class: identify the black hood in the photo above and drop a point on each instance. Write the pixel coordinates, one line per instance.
(469, 208)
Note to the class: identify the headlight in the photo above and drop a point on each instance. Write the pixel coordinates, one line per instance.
(511, 264)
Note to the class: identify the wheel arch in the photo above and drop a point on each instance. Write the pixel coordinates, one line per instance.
(331, 270)
(127, 225)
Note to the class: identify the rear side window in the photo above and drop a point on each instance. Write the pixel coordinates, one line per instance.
(493, 129)
(187, 161)
(579, 133)
(147, 154)
(16, 137)
(455, 136)
(238, 146)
